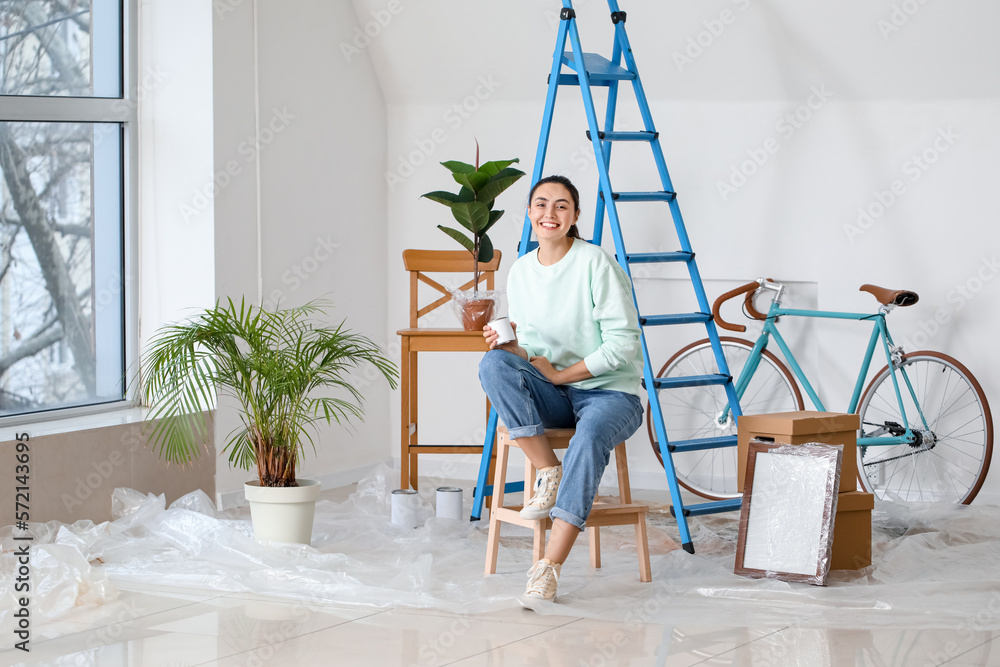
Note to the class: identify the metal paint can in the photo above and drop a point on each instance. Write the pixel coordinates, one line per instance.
(405, 508)
(449, 502)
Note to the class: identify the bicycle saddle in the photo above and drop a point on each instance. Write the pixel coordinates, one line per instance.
(887, 297)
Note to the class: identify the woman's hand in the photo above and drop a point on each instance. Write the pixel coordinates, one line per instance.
(513, 347)
(546, 368)
(574, 373)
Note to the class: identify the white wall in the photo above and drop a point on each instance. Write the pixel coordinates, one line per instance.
(175, 116)
(301, 134)
(893, 85)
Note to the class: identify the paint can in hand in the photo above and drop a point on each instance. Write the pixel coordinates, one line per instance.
(504, 330)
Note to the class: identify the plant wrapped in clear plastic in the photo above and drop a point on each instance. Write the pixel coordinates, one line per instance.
(472, 207)
(475, 308)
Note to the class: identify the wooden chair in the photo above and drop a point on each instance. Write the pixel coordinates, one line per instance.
(416, 339)
(604, 513)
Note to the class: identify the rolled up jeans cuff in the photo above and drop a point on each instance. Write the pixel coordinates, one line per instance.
(557, 513)
(525, 431)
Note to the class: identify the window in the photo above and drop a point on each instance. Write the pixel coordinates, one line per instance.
(66, 203)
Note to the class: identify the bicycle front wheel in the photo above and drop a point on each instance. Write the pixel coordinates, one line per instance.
(952, 420)
(696, 412)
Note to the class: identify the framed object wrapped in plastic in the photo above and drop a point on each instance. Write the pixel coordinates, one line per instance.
(789, 505)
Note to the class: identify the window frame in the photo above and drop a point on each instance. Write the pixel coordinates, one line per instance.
(123, 110)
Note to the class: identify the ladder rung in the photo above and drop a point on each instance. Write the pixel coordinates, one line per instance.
(703, 443)
(663, 195)
(675, 318)
(509, 487)
(626, 136)
(688, 381)
(571, 80)
(710, 508)
(532, 244)
(658, 257)
(599, 69)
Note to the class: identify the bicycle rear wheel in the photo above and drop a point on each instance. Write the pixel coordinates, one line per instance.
(693, 412)
(952, 456)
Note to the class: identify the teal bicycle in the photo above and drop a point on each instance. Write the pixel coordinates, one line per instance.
(926, 428)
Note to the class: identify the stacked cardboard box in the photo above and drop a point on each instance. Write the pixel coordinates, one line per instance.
(852, 532)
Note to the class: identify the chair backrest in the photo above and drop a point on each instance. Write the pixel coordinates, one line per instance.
(421, 262)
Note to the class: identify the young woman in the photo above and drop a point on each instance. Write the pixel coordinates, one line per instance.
(576, 362)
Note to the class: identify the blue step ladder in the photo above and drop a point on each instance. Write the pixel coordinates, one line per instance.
(587, 71)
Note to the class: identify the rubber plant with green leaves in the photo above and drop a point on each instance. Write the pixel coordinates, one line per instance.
(286, 369)
(473, 208)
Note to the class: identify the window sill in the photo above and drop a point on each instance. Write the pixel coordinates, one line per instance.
(47, 425)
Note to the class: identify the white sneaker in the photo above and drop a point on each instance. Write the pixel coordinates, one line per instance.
(544, 498)
(542, 579)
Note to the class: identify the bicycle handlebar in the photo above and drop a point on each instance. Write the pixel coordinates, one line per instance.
(748, 301)
(750, 289)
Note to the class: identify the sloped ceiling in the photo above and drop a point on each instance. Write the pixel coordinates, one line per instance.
(431, 50)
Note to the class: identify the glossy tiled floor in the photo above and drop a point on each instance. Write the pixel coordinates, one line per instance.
(160, 626)
(183, 627)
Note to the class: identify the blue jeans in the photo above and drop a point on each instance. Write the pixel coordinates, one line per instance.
(528, 404)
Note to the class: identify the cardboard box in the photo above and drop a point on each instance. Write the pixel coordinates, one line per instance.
(798, 428)
(852, 531)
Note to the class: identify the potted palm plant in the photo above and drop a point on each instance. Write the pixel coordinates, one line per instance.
(287, 371)
(472, 207)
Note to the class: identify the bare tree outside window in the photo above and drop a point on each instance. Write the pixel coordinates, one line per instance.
(46, 47)
(61, 224)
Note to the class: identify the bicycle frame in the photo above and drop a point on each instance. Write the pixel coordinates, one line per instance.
(880, 333)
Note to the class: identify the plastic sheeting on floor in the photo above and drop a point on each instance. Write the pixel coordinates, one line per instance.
(934, 566)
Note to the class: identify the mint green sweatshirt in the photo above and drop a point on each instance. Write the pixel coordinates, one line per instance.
(579, 308)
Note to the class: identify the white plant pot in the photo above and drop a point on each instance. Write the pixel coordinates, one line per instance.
(283, 514)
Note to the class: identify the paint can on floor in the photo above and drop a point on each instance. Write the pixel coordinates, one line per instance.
(449, 502)
(405, 508)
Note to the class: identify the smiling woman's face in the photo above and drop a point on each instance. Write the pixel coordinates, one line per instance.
(552, 212)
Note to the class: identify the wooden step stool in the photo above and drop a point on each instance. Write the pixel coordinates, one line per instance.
(604, 513)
